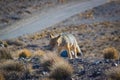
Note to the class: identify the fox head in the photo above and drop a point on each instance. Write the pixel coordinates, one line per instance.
(54, 41)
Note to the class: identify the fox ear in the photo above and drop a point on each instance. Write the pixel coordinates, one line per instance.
(51, 36)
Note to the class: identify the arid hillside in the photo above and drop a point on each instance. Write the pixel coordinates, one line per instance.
(97, 32)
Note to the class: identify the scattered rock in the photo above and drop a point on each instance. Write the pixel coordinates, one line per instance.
(64, 54)
(114, 64)
(36, 66)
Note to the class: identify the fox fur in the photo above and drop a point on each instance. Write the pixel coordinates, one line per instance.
(66, 42)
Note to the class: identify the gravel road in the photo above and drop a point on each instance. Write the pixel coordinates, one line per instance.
(48, 18)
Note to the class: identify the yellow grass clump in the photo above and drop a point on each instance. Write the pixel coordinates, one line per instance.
(12, 66)
(59, 68)
(113, 73)
(61, 71)
(111, 53)
(2, 76)
(39, 53)
(5, 54)
(25, 53)
(4, 43)
(49, 59)
(12, 70)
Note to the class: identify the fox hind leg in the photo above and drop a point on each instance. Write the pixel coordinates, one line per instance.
(75, 52)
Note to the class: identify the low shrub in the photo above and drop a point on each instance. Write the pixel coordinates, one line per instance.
(25, 53)
(39, 53)
(61, 71)
(49, 59)
(15, 42)
(12, 66)
(2, 76)
(113, 73)
(13, 70)
(111, 53)
(5, 53)
(4, 43)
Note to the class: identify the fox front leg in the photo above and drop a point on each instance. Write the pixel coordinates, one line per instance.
(69, 52)
(75, 52)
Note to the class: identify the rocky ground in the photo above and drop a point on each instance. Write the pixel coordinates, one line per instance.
(92, 38)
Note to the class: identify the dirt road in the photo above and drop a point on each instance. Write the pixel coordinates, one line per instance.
(48, 18)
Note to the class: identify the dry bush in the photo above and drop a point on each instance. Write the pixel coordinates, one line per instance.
(113, 73)
(15, 42)
(25, 53)
(111, 53)
(39, 53)
(49, 59)
(61, 71)
(46, 79)
(12, 66)
(5, 54)
(2, 76)
(4, 43)
(12, 70)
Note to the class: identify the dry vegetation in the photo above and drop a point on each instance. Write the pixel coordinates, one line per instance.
(113, 73)
(5, 54)
(12, 70)
(59, 68)
(111, 53)
(2, 76)
(61, 71)
(3, 43)
(25, 53)
(49, 59)
(15, 42)
(92, 38)
(39, 53)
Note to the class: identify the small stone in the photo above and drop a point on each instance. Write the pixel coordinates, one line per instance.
(64, 54)
(107, 61)
(81, 73)
(96, 73)
(45, 73)
(36, 66)
(114, 64)
(97, 62)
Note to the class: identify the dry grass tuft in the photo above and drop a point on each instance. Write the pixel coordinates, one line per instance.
(5, 54)
(25, 53)
(113, 73)
(13, 70)
(10, 65)
(46, 79)
(61, 71)
(39, 53)
(49, 59)
(16, 42)
(2, 76)
(111, 53)
(4, 43)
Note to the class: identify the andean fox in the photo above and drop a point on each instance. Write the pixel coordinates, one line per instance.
(66, 42)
